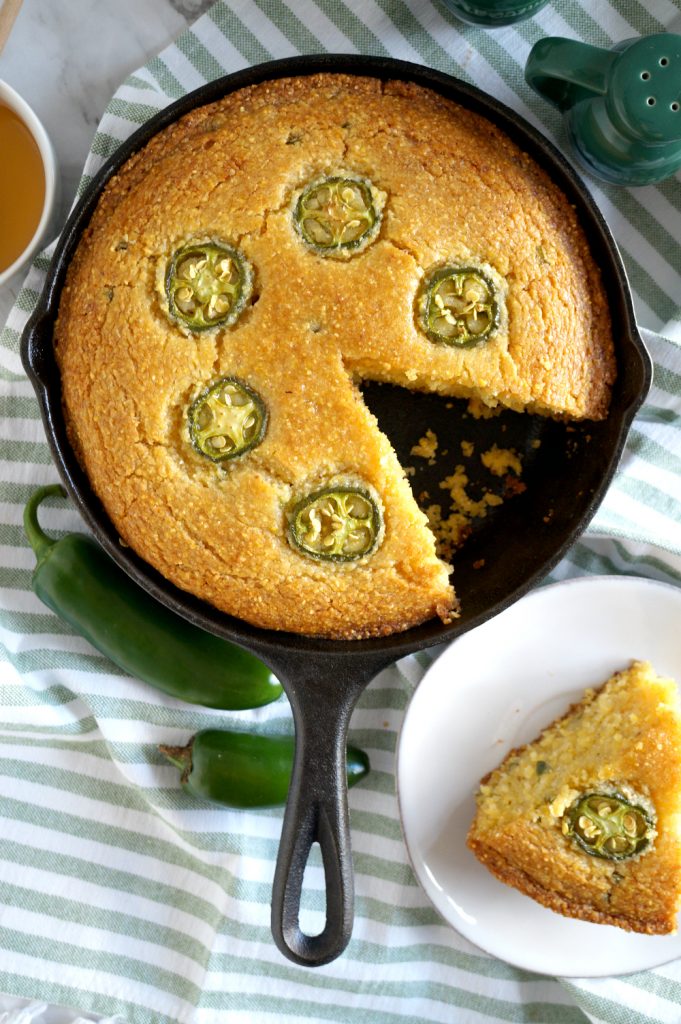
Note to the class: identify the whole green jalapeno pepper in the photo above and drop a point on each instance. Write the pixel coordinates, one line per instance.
(80, 583)
(239, 769)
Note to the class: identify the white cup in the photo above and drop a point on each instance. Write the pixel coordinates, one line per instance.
(13, 100)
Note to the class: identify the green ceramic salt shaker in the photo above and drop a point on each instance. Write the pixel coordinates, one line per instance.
(622, 106)
(494, 13)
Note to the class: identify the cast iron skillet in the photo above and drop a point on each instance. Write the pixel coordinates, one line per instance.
(566, 471)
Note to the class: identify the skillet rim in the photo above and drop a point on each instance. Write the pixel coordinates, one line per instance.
(41, 368)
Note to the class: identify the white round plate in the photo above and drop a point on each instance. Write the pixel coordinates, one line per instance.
(496, 688)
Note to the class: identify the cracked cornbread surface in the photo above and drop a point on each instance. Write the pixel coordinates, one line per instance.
(454, 190)
(625, 739)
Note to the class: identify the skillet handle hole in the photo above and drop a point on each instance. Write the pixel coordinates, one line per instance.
(312, 919)
(312, 908)
(315, 832)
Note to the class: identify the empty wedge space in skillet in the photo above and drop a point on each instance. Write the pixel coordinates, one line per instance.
(136, 349)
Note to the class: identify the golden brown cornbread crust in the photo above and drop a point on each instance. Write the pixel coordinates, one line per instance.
(515, 835)
(645, 919)
(458, 190)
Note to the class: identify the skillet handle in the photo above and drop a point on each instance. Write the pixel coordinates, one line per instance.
(317, 808)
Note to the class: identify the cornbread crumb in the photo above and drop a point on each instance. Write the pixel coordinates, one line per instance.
(452, 530)
(467, 448)
(622, 739)
(480, 410)
(450, 533)
(500, 460)
(426, 447)
(461, 502)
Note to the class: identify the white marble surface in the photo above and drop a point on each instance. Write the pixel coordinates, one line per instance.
(67, 57)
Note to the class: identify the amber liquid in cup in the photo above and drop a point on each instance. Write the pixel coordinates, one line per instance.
(22, 186)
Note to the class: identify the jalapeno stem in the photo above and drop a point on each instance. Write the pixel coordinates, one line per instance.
(37, 537)
(181, 757)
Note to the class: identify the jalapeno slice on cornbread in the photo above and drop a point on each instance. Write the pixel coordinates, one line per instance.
(608, 825)
(337, 215)
(207, 285)
(337, 524)
(227, 419)
(457, 306)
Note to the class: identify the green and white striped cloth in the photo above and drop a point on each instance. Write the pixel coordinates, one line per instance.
(119, 894)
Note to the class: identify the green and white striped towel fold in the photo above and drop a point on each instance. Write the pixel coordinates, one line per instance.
(121, 895)
(23, 1011)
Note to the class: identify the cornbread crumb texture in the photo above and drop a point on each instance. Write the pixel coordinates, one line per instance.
(624, 737)
(312, 327)
(453, 527)
(426, 446)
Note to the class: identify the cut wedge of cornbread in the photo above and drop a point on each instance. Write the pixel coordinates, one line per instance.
(587, 819)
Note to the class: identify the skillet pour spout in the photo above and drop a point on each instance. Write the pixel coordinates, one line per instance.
(517, 545)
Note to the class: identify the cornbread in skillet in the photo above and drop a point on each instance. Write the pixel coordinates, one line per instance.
(587, 819)
(462, 270)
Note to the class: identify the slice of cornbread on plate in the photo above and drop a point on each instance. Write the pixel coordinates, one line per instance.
(587, 819)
